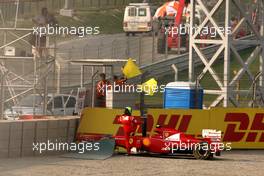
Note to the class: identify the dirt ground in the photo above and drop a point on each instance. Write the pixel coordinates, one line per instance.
(235, 163)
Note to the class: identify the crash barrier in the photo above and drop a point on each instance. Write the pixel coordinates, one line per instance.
(161, 67)
(17, 137)
(243, 128)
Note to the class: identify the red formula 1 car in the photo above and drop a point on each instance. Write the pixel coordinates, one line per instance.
(164, 141)
(169, 141)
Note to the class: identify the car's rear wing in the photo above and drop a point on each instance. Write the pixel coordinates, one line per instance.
(213, 134)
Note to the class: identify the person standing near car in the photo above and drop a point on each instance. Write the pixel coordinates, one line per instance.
(129, 123)
(101, 88)
(41, 21)
(118, 82)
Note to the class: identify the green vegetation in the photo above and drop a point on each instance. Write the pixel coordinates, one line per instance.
(207, 82)
(110, 21)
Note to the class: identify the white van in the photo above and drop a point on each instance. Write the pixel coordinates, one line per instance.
(137, 18)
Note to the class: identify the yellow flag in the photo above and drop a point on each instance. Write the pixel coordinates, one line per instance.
(150, 87)
(131, 69)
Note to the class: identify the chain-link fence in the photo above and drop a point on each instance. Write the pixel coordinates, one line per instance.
(142, 47)
(28, 8)
(64, 77)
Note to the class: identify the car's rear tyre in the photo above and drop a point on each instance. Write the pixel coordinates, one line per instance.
(202, 151)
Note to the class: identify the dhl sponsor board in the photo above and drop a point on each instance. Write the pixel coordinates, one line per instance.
(243, 128)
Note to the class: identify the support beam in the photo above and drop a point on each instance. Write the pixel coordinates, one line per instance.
(191, 42)
(58, 77)
(14, 41)
(227, 55)
(209, 17)
(208, 67)
(245, 65)
(227, 42)
(261, 57)
(247, 18)
(2, 94)
(82, 76)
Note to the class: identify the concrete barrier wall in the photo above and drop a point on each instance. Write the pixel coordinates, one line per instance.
(17, 137)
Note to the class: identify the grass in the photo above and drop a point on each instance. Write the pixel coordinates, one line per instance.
(110, 22)
(207, 82)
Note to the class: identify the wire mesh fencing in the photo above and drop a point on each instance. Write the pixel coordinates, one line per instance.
(29, 8)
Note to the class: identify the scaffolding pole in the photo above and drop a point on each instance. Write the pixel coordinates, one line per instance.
(225, 93)
(261, 58)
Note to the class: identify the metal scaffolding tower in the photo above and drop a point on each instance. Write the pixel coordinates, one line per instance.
(225, 93)
(17, 84)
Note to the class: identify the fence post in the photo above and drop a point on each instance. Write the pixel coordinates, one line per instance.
(254, 97)
(237, 87)
(69, 4)
(93, 88)
(53, 4)
(140, 50)
(45, 95)
(83, 51)
(2, 93)
(153, 46)
(86, 51)
(37, 8)
(128, 47)
(113, 49)
(175, 69)
(166, 45)
(99, 49)
(179, 44)
(142, 108)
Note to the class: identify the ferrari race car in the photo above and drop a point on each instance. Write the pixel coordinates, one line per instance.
(164, 141)
(168, 141)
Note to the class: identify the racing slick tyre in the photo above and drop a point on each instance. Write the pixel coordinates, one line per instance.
(201, 151)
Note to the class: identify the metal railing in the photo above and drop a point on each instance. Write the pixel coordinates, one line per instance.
(159, 68)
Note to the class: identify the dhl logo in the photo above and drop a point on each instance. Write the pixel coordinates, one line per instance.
(180, 122)
(238, 126)
(236, 132)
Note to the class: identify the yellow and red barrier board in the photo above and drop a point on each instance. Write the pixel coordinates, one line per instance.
(243, 128)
